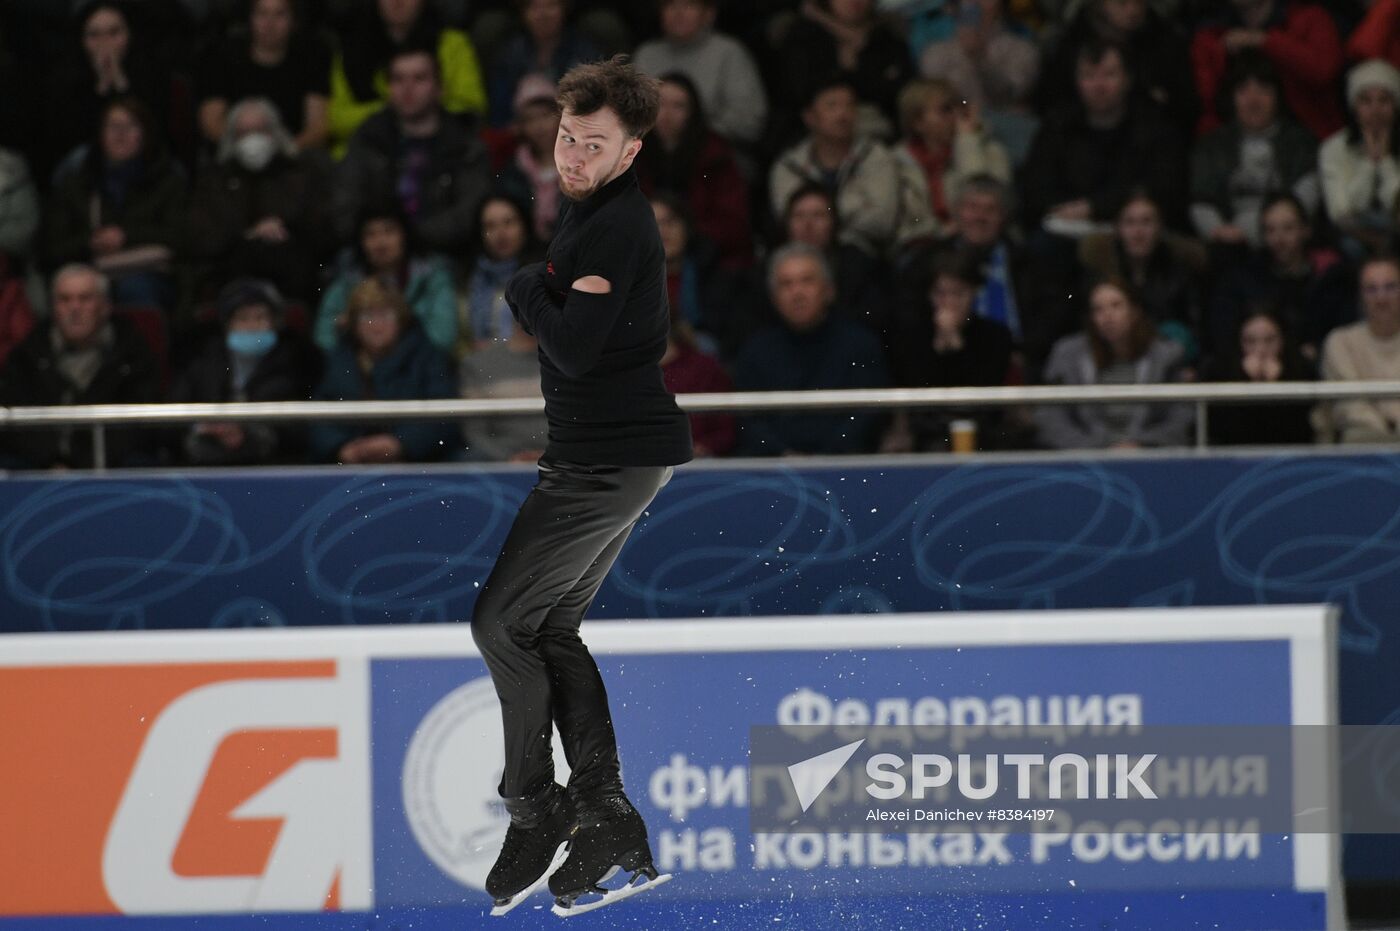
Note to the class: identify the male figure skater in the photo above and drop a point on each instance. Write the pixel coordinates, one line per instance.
(598, 308)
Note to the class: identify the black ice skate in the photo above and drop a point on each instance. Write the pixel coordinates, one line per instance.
(610, 836)
(535, 845)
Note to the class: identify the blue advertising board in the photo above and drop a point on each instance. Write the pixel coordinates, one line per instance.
(418, 756)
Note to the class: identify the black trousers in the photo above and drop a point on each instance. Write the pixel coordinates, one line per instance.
(526, 621)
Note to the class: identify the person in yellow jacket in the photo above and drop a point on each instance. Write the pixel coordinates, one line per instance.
(359, 85)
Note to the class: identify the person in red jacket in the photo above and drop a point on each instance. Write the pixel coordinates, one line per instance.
(687, 159)
(688, 369)
(1378, 35)
(1300, 38)
(16, 314)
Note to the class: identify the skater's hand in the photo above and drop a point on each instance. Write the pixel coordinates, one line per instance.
(524, 288)
(519, 318)
(524, 281)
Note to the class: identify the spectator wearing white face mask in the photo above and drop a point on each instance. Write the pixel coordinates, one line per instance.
(261, 209)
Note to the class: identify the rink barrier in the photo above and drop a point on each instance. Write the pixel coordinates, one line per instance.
(1200, 394)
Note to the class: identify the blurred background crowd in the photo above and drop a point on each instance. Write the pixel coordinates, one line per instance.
(268, 200)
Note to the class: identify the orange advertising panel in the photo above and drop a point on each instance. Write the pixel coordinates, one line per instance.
(156, 776)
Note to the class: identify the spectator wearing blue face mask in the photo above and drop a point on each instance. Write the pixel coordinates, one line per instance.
(253, 359)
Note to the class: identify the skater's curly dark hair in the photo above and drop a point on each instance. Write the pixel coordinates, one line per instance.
(614, 83)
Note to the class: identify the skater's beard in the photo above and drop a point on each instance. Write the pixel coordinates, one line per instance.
(578, 193)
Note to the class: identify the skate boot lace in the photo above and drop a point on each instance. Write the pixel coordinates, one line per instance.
(514, 844)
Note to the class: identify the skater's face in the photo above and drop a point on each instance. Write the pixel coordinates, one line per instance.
(591, 150)
(1375, 109)
(811, 221)
(1111, 313)
(79, 307)
(831, 116)
(801, 292)
(683, 20)
(1139, 226)
(271, 23)
(382, 241)
(502, 229)
(1285, 232)
(980, 217)
(1103, 84)
(413, 86)
(1256, 104)
(673, 113)
(1380, 297)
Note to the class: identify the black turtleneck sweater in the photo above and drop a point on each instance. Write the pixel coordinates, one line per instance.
(600, 354)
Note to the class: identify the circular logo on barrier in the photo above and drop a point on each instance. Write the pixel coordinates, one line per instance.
(450, 775)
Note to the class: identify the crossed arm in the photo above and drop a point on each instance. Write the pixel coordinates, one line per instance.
(571, 334)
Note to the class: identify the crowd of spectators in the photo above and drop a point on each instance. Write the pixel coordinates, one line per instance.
(268, 200)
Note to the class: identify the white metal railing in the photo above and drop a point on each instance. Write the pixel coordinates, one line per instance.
(1200, 394)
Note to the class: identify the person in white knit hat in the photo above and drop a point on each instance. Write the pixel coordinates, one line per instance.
(1360, 165)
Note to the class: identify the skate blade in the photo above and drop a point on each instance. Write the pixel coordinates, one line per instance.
(560, 856)
(612, 897)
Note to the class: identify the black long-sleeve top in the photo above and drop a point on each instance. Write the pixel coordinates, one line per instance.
(600, 354)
